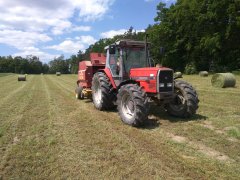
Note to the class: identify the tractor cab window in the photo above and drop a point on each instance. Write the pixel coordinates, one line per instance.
(134, 58)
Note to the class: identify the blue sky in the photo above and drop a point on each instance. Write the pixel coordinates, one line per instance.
(48, 29)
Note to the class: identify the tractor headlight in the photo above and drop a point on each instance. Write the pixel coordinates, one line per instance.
(161, 85)
(169, 84)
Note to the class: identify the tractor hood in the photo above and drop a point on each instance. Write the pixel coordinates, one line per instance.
(146, 73)
(151, 78)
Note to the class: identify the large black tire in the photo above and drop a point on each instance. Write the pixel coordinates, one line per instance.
(186, 101)
(78, 92)
(132, 104)
(101, 86)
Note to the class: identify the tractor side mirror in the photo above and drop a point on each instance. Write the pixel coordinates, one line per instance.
(112, 49)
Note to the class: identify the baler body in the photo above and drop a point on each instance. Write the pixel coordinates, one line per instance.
(88, 68)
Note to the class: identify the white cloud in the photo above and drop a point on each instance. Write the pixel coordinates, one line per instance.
(73, 46)
(92, 9)
(21, 39)
(81, 28)
(45, 57)
(67, 46)
(25, 24)
(112, 33)
(42, 15)
(88, 40)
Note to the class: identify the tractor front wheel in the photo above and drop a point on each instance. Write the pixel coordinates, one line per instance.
(101, 87)
(133, 106)
(185, 104)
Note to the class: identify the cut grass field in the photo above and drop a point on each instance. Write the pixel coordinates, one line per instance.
(45, 133)
(5, 74)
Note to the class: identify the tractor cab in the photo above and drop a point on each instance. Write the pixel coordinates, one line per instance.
(125, 55)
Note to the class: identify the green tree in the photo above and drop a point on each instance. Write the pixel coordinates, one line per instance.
(59, 64)
(199, 32)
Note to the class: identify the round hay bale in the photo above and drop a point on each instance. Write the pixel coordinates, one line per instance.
(177, 75)
(58, 73)
(22, 78)
(203, 73)
(223, 80)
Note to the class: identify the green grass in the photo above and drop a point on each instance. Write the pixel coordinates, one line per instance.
(5, 74)
(234, 133)
(45, 133)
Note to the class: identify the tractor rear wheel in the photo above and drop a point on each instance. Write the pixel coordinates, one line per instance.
(133, 106)
(78, 92)
(185, 104)
(101, 87)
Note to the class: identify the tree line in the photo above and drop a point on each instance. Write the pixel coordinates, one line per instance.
(20, 65)
(33, 65)
(190, 36)
(198, 35)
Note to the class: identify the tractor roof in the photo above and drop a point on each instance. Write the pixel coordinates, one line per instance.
(127, 42)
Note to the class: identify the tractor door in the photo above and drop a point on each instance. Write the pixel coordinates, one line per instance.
(114, 64)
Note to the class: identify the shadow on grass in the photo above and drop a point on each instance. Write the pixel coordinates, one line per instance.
(88, 101)
(151, 123)
(160, 113)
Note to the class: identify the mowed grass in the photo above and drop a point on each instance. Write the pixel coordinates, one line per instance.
(5, 74)
(45, 133)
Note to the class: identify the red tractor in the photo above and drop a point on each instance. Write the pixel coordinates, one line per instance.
(126, 77)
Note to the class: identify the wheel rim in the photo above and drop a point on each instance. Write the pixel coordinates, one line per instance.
(76, 96)
(127, 106)
(98, 93)
(180, 102)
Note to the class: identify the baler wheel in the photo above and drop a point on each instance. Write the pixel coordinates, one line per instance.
(186, 101)
(78, 92)
(133, 106)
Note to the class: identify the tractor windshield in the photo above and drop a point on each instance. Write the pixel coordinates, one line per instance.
(134, 58)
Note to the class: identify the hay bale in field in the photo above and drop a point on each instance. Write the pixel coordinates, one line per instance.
(22, 78)
(58, 73)
(177, 75)
(223, 80)
(203, 73)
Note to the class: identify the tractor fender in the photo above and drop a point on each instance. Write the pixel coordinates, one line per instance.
(130, 81)
(109, 75)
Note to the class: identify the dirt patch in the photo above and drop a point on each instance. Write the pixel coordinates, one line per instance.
(208, 125)
(230, 128)
(178, 139)
(210, 152)
(15, 140)
(201, 148)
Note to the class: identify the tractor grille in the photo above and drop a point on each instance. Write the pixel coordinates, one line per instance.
(165, 79)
